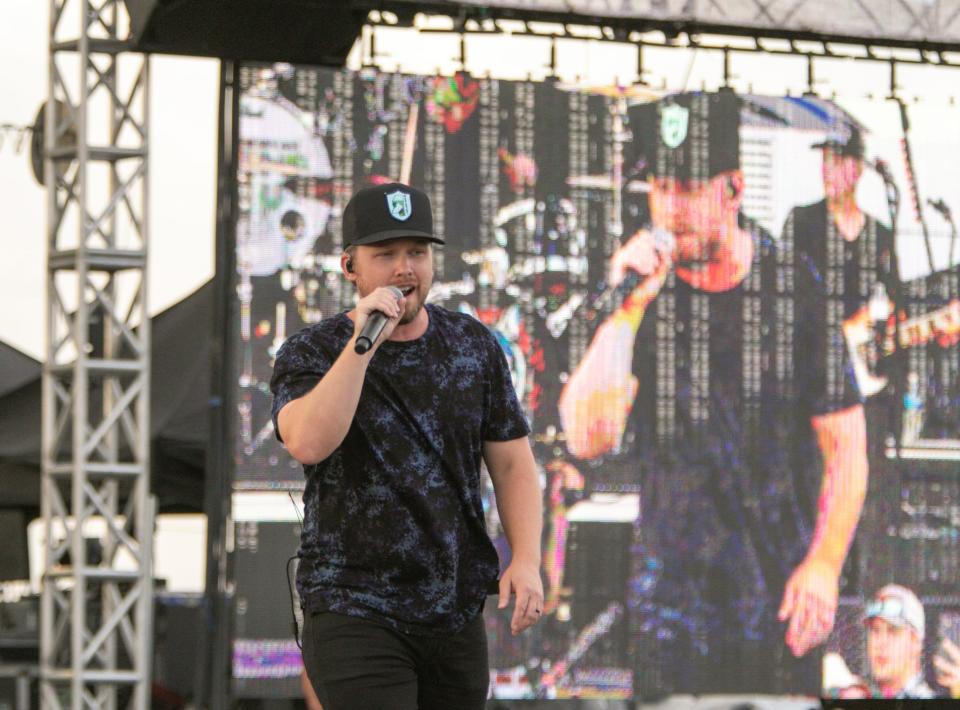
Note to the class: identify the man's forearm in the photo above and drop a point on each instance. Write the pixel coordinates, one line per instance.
(521, 512)
(314, 425)
(634, 306)
(842, 439)
(519, 501)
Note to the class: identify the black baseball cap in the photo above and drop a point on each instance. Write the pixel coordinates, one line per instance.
(847, 141)
(390, 211)
(693, 135)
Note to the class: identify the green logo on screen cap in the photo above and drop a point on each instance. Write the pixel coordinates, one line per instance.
(674, 120)
(399, 204)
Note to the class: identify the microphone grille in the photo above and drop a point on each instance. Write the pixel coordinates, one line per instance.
(664, 241)
(397, 293)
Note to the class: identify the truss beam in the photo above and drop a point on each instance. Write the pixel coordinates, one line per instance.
(927, 25)
(473, 18)
(97, 601)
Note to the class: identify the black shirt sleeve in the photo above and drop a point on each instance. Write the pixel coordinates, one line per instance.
(299, 365)
(503, 418)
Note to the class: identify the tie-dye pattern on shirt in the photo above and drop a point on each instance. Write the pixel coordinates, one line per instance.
(394, 527)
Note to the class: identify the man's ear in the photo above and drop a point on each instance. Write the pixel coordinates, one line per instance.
(733, 187)
(346, 266)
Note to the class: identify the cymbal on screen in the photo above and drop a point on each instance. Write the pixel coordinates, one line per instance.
(638, 92)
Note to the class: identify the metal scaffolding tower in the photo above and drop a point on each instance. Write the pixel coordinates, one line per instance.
(97, 603)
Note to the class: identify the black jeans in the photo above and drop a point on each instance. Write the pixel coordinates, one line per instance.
(356, 664)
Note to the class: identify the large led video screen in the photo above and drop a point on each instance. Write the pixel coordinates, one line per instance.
(731, 321)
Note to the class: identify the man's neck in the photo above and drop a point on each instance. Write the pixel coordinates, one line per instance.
(414, 329)
(894, 686)
(847, 215)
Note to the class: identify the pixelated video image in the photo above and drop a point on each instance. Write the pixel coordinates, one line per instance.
(732, 321)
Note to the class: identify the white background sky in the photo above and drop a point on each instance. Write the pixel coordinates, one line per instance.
(184, 128)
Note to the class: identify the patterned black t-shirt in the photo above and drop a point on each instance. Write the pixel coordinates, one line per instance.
(394, 526)
(729, 473)
(731, 468)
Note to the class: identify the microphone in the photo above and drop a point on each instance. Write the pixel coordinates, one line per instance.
(893, 192)
(374, 326)
(882, 168)
(941, 207)
(665, 243)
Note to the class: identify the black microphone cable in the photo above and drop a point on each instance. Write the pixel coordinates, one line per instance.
(295, 625)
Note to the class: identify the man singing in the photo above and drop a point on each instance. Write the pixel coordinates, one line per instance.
(693, 381)
(395, 559)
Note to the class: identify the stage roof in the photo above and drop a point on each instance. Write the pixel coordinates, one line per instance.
(896, 22)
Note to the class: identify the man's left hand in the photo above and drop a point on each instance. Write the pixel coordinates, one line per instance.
(810, 605)
(523, 580)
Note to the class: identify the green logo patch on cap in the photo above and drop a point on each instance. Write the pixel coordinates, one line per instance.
(399, 205)
(674, 120)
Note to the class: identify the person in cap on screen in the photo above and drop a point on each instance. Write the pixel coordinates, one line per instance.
(895, 624)
(896, 627)
(693, 379)
(693, 207)
(395, 558)
(842, 167)
(689, 224)
(835, 232)
(836, 239)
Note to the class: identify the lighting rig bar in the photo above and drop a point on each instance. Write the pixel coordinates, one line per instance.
(675, 34)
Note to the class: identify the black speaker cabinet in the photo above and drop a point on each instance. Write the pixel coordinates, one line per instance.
(295, 31)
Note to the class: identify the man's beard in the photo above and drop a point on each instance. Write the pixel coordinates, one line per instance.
(409, 314)
(409, 317)
(418, 296)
